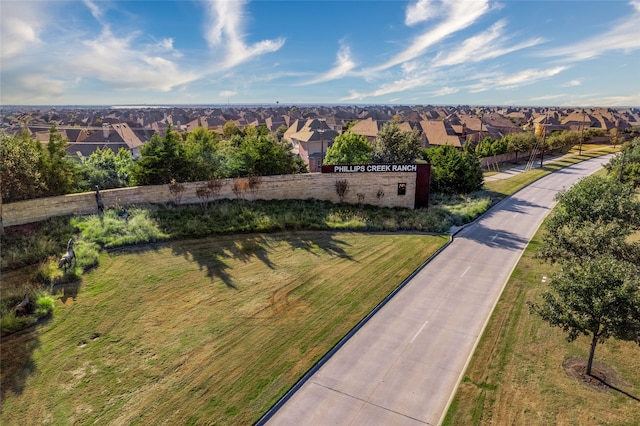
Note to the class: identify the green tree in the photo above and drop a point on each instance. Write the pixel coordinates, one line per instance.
(392, 145)
(520, 142)
(162, 160)
(100, 169)
(259, 155)
(230, 129)
(58, 170)
(454, 171)
(593, 218)
(626, 165)
(485, 147)
(124, 166)
(203, 154)
(20, 175)
(349, 148)
(599, 298)
(106, 169)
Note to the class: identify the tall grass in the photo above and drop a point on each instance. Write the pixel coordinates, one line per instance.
(110, 230)
(29, 244)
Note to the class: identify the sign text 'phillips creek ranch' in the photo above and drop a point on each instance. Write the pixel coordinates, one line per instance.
(363, 168)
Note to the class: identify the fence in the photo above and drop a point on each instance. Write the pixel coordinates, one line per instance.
(379, 189)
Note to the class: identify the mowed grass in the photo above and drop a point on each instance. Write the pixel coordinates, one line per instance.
(516, 375)
(203, 331)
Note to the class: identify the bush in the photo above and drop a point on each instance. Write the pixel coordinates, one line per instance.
(112, 231)
(44, 305)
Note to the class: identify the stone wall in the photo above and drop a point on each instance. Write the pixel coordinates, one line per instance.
(380, 189)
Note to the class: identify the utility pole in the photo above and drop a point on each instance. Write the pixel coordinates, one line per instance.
(582, 133)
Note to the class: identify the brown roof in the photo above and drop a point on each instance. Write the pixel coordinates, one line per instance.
(439, 132)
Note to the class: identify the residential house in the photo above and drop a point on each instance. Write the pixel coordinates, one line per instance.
(112, 136)
(440, 132)
(310, 140)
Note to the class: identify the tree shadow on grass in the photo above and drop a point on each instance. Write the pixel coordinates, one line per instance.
(213, 254)
(16, 358)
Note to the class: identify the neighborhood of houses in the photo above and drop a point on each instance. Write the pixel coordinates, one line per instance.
(309, 129)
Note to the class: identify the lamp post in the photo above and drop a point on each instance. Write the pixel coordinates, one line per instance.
(321, 131)
(582, 133)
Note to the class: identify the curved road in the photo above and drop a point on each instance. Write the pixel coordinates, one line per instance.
(403, 366)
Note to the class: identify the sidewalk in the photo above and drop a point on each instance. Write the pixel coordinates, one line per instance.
(516, 169)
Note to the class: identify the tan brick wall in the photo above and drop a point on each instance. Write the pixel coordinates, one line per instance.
(298, 187)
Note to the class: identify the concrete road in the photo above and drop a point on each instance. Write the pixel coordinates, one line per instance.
(402, 367)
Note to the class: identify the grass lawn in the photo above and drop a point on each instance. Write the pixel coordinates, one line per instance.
(211, 330)
(516, 375)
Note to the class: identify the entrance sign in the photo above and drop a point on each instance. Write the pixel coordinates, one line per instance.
(422, 171)
(369, 168)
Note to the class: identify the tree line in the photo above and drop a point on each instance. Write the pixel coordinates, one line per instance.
(30, 169)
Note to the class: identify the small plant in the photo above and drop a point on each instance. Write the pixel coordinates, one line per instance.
(44, 305)
(380, 194)
(215, 185)
(203, 192)
(240, 187)
(254, 183)
(342, 186)
(360, 197)
(176, 189)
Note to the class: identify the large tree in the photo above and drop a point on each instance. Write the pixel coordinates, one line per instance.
(594, 217)
(349, 148)
(393, 145)
(598, 297)
(162, 160)
(20, 174)
(259, 154)
(101, 169)
(203, 154)
(626, 165)
(596, 292)
(58, 170)
(454, 171)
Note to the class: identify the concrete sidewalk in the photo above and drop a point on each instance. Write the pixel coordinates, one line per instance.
(517, 169)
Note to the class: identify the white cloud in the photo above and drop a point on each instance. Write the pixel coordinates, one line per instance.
(344, 65)
(446, 91)
(422, 10)
(522, 78)
(573, 83)
(117, 62)
(400, 85)
(20, 27)
(225, 31)
(486, 45)
(459, 14)
(96, 12)
(227, 93)
(623, 36)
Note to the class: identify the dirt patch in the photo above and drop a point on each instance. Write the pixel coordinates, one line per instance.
(603, 377)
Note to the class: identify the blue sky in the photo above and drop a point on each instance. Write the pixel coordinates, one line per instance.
(418, 52)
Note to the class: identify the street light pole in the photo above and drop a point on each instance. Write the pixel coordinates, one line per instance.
(582, 133)
(321, 131)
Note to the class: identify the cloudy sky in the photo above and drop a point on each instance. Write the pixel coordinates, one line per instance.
(476, 52)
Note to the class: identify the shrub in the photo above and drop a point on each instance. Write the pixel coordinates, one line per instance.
(44, 305)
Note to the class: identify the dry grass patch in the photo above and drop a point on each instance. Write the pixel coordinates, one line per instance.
(200, 331)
